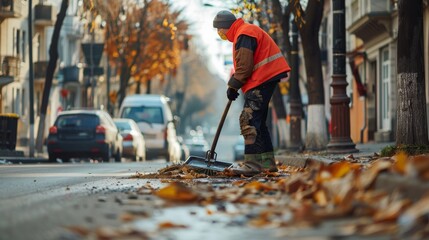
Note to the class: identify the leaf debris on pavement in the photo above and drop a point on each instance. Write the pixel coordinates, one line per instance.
(299, 198)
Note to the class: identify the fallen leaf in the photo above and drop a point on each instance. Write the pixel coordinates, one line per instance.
(339, 169)
(400, 163)
(410, 216)
(177, 191)
(127, 217)
(378, 229)
(81, 231)
(320, 198)
(167, 225)
(392, 211)
(256, 185)
(368, 176)
(417, 165)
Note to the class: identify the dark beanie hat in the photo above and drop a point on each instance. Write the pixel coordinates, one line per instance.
(224, 19)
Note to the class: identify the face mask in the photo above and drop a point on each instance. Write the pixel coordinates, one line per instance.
(222, 35)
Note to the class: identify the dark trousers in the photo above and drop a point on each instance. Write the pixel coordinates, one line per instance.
(253, 119)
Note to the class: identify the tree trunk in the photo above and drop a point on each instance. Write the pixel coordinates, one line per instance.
(316, 138)
(280, 110)
(280, 18)
(52, 65)
(124, 79)
(148, 83)
(138, 86)
(411, 104)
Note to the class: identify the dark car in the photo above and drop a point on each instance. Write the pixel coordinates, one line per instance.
(133, 144)
(197, 146)
(84, 134)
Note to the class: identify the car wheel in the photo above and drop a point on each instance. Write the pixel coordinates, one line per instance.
(118, 156)
(52, 158)
(143, 157)
(106, 155)
(136, 157)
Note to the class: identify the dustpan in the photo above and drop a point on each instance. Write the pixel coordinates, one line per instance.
(210, 163)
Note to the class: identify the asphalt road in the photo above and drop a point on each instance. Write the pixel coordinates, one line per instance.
(31, 192)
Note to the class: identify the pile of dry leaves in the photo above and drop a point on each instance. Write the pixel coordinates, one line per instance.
(310, 196)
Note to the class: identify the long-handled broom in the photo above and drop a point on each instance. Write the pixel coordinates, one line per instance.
(209, 164)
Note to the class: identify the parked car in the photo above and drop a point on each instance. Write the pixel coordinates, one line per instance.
(133, 143)
(238, 149)
(153, 115)
(197, 146)
(84, 134)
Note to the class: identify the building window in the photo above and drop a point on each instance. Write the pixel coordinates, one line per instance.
(22, 102)
(13, 100)
(23, 47)
(38, 97)
(18, 98)
(18, 43)
(14, 41)
(385, 89)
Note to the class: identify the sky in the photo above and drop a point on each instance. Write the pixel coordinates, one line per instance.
(205, 38)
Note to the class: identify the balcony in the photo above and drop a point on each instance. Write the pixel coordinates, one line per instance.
(370, 18)
(44, 15)
(72, 74)
(72, 27)
(10, 9)
(40, 70)
(9, 70)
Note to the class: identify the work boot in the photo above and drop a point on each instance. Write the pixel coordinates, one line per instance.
(249, 167)
(268, 163)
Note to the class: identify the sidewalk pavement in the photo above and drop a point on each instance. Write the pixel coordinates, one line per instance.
(366, 151)
(22, 154)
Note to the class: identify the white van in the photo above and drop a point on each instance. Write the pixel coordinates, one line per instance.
(152, 114)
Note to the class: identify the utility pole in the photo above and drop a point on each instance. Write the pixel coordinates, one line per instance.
(340, 112)
(295, 95)
(31, 75)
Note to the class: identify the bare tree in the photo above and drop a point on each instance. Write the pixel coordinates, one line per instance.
(308, 22)
(52, 65)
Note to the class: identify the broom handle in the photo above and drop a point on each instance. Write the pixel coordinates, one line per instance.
(219, 128)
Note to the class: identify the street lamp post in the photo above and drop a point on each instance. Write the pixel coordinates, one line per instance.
(31, 76)
(340, 112)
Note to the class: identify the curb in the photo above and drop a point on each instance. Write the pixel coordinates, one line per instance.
(301, 161)
(22, 160)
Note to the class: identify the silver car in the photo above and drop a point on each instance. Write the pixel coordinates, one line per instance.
(133, 143)
(153, 116)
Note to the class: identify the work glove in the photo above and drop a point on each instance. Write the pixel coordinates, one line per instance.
(231, 93)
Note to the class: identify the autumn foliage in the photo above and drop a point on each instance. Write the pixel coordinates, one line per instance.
(143, 39)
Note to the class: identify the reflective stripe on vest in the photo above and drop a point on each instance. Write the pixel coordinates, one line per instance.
(267, 60)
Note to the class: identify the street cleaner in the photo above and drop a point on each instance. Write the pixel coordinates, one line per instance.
(259, 65)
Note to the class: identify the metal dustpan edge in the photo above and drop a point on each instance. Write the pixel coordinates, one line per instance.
(203, 163)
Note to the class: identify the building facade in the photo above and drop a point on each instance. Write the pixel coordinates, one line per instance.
(14, 52)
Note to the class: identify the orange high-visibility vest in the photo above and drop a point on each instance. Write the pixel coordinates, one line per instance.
(268, 59)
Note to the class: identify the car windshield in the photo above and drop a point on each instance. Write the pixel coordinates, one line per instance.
(144, 114)
(77, 121)
(123, 126)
